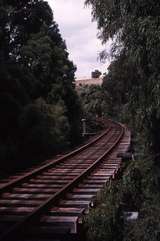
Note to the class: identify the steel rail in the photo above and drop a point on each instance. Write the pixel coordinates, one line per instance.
(18, 229)
(30, 174)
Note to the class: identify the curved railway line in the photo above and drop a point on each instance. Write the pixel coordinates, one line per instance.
(50, 201)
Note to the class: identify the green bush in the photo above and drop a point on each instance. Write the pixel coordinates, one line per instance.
(45, 130)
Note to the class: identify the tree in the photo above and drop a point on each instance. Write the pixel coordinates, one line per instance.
(94, 104)
(39, 106)
(96, 74)
(119, 91)
(135, 29)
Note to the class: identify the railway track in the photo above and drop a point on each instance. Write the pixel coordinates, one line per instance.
(49, 202)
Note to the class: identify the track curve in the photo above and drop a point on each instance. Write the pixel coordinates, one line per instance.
(60, 191)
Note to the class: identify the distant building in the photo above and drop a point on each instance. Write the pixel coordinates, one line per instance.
(92, 81)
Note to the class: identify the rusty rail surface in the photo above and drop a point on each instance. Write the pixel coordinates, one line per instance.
(58, 192)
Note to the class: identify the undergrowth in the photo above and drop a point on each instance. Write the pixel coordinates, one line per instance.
(133, 190)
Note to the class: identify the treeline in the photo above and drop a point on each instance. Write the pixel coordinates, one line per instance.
(95, 106)
(133, 82)
(132, 91)
(39, 108)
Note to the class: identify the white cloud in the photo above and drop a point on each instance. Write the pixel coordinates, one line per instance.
(80, 32)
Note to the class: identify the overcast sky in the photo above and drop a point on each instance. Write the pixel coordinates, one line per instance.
(80, 33)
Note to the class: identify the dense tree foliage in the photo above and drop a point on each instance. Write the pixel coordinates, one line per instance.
(39, 108)
(134, 27)
(119, 91)
(93, 100)
(132, 89)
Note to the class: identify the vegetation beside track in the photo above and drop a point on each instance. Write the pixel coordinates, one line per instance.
(39, 107)
(41, 112)
(134, 190)
(132, 88)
